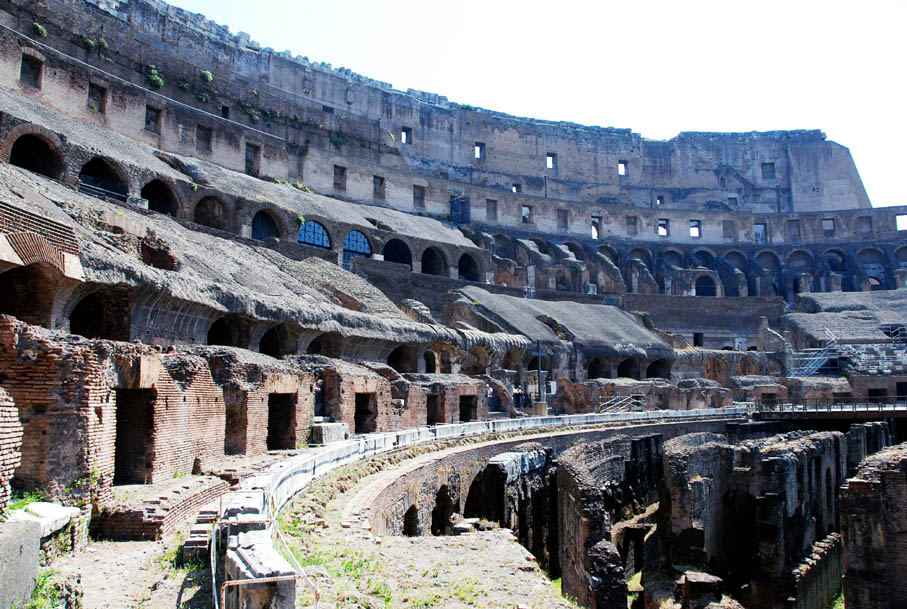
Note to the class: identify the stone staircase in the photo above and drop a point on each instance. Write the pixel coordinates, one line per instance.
(196, 548)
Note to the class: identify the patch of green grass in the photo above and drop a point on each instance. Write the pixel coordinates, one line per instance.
(172, 559)
(26, 499)
(839, 602)
(559, 592)
(46, 594)
(425, 602)
(380, 589)
(467, 590)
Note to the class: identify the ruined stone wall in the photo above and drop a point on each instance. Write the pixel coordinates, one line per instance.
(655, 394)
(10, 446)
(725, 322)
(599, 484)
(873, 516)
(750, 512)
(344, 115)
(64, 405)
(420, 479)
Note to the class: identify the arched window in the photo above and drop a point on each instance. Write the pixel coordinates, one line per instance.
(467, 269)
(264, 226)
(705, 286)
(160, 198)
(37, 155)
(211, 212)
(98, 179)
(397, 251)
(355, 245)
(433, 263)
(313, 234)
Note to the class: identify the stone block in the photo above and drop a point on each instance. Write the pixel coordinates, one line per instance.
(20, 547)
(325, 433)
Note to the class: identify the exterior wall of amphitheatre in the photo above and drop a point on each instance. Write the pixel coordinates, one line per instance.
(814, 212)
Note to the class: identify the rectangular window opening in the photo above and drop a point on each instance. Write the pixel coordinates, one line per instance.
(864, 225)
(203, 139)
(491, 210)
(759, 233)
(793, 230)
(562, 220)
(406, 135)
(622, 168)
(479, 150)
(695, 229)
(732, 201)
(339, 177)
(659, 200)
(828, 226)
(97, 98)
(31, 70)
(596, 227)
(527, 214)
(663, 228)
(768, 171)
(698, 339)
(516, 188)
(900, 222)
(152, 119)
(378, 187)
(632, 228)
(327, 109)
(418, 197)
(253, 159)
(225, 112)
(551, 161)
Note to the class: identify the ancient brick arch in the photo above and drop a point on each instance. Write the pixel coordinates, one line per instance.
(103, 312)
(162, 196)
(746, 366)
(404, 358)
(29, 292)
(716, 369)
(736, 259)
(469, 268)
(268, 222)
(34, 148)
(103, 177)
(210, 208)
(397, 250)
(434, 262)
(278, 340)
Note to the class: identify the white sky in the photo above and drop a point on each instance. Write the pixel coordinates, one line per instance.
(656, 67)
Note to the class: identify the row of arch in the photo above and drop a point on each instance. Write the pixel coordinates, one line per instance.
(100, 177)
(763, 272)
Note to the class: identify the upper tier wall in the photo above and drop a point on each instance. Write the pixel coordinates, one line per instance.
(341, 118)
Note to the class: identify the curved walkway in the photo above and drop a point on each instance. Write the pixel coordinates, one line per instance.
(249, 514)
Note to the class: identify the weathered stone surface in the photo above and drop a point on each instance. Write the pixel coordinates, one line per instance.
(20, 545)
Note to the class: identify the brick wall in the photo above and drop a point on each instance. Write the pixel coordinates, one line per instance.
(873, 517)
(16, 220)
(10, 446)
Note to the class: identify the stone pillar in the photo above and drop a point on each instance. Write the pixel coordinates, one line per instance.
(833, 282)
(900, 279)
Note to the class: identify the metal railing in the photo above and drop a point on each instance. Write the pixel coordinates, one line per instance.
(623, 403)
(100, 193)
(834, 405)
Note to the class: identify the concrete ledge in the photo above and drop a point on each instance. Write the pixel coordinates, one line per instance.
(51, 517)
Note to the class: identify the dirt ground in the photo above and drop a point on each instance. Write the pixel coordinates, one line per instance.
(136, 574)
(355, 570)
